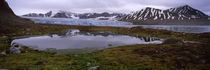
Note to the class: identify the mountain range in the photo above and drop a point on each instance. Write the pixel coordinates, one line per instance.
(182, 14)
(179, 15)
(66, 14)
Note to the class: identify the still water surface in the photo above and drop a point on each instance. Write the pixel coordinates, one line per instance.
(74, 39)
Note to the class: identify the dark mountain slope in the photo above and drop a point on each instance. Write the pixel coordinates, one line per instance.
(9, 22)
(188, 11)
(5, 9)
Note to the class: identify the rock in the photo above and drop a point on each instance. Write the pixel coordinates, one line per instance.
(3, 53)
(76, 55)
(94, 68)
(172, 41)
(197, 57)
(15, 49)
(28, 29)
(4, 36)
(157, 51)
(179, 58)
(203, 61)
(109, 44)
(88, 64)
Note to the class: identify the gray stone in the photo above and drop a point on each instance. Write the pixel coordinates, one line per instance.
(179, 58)
(197, 57)
(4, 36)
(203, 61)
(88, 64)
(94, 68)
(3, 53)
(28, 29)
(15, 49)
(76, 55)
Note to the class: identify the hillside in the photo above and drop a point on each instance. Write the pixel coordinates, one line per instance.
(9, 22)
(180, 15)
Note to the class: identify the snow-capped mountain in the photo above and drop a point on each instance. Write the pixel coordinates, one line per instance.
(98, 15)
(149, 14)
(66, 14)
(53, 14)
(187, 12)
(180, 13)
(48, 14)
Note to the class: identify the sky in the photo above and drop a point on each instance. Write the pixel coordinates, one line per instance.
(21, 7)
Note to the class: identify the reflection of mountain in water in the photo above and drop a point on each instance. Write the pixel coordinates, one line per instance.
(148, 39)
(75, 32)
(75, 39)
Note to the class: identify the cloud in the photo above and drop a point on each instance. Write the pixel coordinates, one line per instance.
(21, 7)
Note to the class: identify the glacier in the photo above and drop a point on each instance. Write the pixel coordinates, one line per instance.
(68, 21)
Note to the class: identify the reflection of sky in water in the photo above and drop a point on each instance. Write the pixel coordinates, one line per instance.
(80, 40)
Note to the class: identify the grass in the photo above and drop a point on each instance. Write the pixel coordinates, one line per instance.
(48, 61)
(36, 60)
(158, 57)
(134, 57)
(4, 45)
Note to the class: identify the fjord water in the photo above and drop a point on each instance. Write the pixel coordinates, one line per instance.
(180, 28)
(91, 22)
(74, 39)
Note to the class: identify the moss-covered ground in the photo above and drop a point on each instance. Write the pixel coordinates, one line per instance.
(181, 56)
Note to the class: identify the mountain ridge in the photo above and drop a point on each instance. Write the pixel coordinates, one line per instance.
(67, 14)
(182, 14)
(179, 15)
(9, 22)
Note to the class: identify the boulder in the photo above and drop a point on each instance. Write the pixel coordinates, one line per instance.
(3, 53)
(15, 49)
(94, 68)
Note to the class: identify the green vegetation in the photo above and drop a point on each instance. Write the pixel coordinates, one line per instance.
(180, 56)
(159, 57)
(36, 60)
(133, 57)
(3, 44)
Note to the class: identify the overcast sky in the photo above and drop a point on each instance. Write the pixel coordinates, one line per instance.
(21, 7)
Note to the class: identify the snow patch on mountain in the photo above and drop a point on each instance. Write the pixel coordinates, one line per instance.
(180, 13)
(67, 14)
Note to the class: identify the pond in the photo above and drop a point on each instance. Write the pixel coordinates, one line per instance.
(79, 41)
